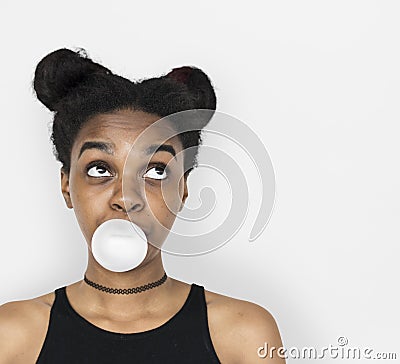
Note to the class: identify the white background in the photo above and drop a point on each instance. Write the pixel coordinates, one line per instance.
(319, 81)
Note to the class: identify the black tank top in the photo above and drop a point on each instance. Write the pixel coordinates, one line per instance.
(184, 338)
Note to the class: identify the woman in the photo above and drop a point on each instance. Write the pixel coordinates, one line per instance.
(140, 315)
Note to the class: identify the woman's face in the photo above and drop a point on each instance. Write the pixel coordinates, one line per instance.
(98, 191)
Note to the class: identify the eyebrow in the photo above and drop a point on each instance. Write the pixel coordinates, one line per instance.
(154, 148)
(109, 148)
(103, 146)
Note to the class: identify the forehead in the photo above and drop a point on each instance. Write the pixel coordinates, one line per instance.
(122, 128)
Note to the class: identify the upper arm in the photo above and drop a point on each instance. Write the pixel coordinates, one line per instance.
(17, 323)
(258, 339)
(9, 331)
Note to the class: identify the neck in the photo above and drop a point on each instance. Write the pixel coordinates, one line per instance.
(118, 305)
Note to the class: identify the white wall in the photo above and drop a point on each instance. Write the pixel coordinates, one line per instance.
(317, 80)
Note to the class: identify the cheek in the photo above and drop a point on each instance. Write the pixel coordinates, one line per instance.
(88, 208)
(164, 204)
(163, 219)
(84, 215)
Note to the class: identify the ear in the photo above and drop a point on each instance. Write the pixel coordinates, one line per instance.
(65, 188)
(185, 193)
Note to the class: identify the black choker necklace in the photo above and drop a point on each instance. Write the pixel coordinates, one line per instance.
(139, 289)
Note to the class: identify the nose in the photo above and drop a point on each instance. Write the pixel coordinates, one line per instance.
(126, 199)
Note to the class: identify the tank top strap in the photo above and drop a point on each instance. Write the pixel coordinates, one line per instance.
(199, 308)
(60, 307)
(61, 301)
(58, 313)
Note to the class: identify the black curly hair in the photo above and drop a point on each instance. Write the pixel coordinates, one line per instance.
(76, 88)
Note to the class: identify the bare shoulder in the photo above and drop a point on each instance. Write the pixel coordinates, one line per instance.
(23, 327)
(238, 329)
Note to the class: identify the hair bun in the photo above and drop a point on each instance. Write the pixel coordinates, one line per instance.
(198, 84)
(61, 71)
